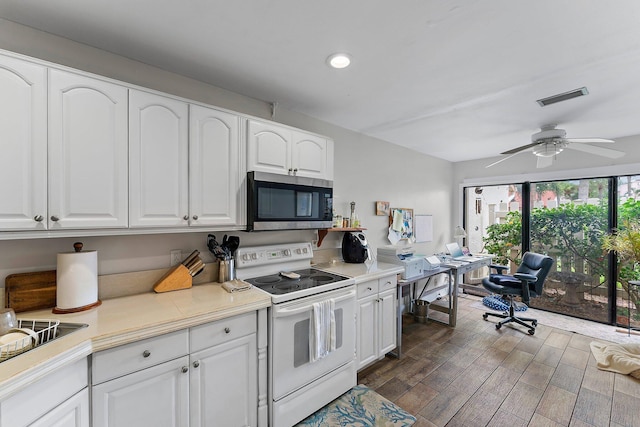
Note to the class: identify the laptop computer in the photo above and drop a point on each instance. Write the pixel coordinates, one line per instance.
(456, 252)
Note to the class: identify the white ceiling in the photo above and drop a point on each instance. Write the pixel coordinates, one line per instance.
(456, 79)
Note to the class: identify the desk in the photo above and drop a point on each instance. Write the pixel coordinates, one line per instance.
(402, 283)
(455, 269)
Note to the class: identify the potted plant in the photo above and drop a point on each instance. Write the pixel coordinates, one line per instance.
(625, 242)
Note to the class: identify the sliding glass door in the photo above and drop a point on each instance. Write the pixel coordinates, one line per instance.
(627, 297)
(566, 220)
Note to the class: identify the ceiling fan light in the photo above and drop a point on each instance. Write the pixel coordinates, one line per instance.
(549, 148)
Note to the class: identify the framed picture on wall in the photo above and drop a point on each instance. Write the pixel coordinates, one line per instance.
(382, 208)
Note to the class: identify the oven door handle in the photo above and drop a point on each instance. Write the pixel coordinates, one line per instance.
(289, 311)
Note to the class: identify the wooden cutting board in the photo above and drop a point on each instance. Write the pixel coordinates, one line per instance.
(30, 291)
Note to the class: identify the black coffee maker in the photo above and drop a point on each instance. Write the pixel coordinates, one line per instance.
(355, 248)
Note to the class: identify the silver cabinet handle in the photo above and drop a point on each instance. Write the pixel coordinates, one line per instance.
(54, 218)
(185, 369)
(369, 288)
(295, 171)
(38, 218)
(290, 171)
(146, 354)
(227, 330)
(195, 217)
(196, 363)
(186, 217)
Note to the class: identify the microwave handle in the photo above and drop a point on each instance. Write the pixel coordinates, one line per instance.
(290, 311)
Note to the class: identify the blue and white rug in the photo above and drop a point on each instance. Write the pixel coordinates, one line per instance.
(361, 407)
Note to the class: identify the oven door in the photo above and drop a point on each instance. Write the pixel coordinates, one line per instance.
(291, 368)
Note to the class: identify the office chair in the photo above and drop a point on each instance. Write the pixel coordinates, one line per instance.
(526, 282)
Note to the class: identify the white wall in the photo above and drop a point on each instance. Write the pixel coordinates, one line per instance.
(366, 170)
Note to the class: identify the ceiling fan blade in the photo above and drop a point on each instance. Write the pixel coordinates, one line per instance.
(588, 140)
(501, 160)
(544, 162)
(521, 148)
(598, 151)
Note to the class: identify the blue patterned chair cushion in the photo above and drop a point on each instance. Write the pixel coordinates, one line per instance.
(360, 407)
(496, 302)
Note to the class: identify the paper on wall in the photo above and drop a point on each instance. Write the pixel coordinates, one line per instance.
(393, 236)
(397, 221)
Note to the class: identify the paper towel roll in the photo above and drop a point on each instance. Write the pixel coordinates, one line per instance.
(77, 280)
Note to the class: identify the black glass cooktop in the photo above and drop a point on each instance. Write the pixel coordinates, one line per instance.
(276, 284)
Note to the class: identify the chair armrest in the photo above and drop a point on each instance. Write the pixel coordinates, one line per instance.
(525, 277)
(499, 268)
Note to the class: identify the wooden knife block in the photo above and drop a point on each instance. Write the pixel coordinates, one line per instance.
(176, 278)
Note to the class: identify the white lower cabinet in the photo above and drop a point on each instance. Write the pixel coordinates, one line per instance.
(204, 376)
(59, 399)
(376, 321)
(157, 396)
(73, 412)
(224, 384)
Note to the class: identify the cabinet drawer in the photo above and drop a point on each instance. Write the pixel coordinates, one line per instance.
(367, 288)
(122, 360)
(221, 331)
(389, 282)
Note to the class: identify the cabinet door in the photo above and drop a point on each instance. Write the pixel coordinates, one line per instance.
(367, 349)
(268, 148)
(153, 397)
(23, 163)
(309, 155)
(224, 384)
(74, 412)
(158, 161)
(214, 167)
(387, 320)
(87, 152)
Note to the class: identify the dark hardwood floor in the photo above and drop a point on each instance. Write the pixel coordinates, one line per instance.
(475, 375)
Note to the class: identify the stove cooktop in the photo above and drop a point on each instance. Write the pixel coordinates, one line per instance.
(276, 284)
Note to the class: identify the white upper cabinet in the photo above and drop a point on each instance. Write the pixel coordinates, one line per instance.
(312, 156)
(158, 161)
(87, 152)
(215, 170)
(280, 149)
(23, 138)
(268, 148)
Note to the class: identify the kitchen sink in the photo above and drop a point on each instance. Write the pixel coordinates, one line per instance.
(46, 331)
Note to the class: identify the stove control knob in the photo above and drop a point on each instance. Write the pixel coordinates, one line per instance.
(287, 252)
(305, 250)
(254, 256)
(245, 257)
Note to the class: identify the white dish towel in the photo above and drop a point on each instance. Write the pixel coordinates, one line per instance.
(322, 330)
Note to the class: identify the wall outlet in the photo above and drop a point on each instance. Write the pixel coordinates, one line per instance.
(176, 257)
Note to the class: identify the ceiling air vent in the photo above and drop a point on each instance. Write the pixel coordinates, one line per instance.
(563, 96)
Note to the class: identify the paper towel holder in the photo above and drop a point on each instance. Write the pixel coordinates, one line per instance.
(77, 246)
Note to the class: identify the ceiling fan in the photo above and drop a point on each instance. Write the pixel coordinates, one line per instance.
(551, 141)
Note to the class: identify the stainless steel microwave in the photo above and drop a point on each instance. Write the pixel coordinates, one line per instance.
(284, 202)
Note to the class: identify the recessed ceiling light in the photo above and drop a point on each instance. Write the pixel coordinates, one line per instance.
(339, 60)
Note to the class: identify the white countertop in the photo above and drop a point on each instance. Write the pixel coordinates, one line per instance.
(123, 320)
(361, 272)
